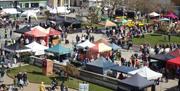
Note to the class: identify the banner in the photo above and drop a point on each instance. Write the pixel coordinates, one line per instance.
(83, 87)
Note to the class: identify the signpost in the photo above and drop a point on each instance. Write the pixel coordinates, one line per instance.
(83, 87)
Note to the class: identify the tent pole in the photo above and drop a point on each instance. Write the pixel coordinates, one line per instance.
(153, 88)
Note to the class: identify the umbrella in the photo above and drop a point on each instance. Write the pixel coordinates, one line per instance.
(108, 23)
(124, 21)
(171, 15)
(154, 14)
(164, 19)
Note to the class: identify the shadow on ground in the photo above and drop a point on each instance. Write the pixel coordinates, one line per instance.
(173, 89)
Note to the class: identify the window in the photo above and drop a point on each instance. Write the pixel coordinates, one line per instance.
(26, 5)
(34, 5)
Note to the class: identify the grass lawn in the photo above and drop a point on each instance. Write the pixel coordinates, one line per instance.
(154, 39)
(35, 75)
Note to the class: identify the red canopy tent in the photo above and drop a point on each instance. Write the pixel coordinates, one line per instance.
(36, 33)
(100, 49)
(53, 32)
(174, 62)
(175, 53)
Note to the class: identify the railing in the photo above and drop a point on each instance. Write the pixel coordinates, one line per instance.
(88, 76)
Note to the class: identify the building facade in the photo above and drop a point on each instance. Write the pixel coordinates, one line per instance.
(32, 3)
(72, 3)
(8, 3)
(59, 3)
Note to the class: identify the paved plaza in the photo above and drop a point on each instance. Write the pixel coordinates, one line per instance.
(170, 86)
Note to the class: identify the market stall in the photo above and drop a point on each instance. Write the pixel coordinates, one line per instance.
(100, 49)
(136, 83)
(154, 14)
(59, 50)
(175, 53)
(108, 23)
(100, 65)
(37, 48)
(173, 63)
(85, 44)
(147, 73)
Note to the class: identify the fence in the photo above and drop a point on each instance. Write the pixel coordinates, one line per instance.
(88, 76)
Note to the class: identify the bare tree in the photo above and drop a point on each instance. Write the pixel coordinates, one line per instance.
(113, 4)
(147, 6)
(166, 6)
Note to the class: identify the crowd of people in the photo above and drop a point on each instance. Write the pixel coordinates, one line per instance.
(21, 80)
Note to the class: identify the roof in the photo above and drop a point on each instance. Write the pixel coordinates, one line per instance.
(175, 53)
(147, 73)
(36, 32)
(85, 44)
(162, 57)
(114, 46)
(37, 48)
(52, 31)
(123, 69)
(108, 23)
(138, 81)
(102, 63)
(16, 48)
(23, 29)
(175, 61)
(59, 49)
(101, 47)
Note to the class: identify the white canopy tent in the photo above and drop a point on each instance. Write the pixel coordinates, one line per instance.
(85, 44)
(147, 73)
(30, 13)
(37, 48)
(154, 14)
(11, 11)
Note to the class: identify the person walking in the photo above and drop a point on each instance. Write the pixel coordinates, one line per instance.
(66, 88)
(42, 87)
(62, 86)
(10, 33)
(25, 80)
(5, 33)
(54, 84)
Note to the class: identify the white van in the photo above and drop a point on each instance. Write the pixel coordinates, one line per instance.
(63, 10)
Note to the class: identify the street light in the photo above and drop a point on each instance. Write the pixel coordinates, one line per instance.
(65, 5)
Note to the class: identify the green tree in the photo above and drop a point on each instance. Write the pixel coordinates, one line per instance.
(47, 13)
(93, 16)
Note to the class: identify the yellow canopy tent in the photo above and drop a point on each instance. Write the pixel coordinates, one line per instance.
(130, 23)
(140, 23)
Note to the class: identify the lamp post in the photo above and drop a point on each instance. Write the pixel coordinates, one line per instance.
(18, 58)
(65, 5)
